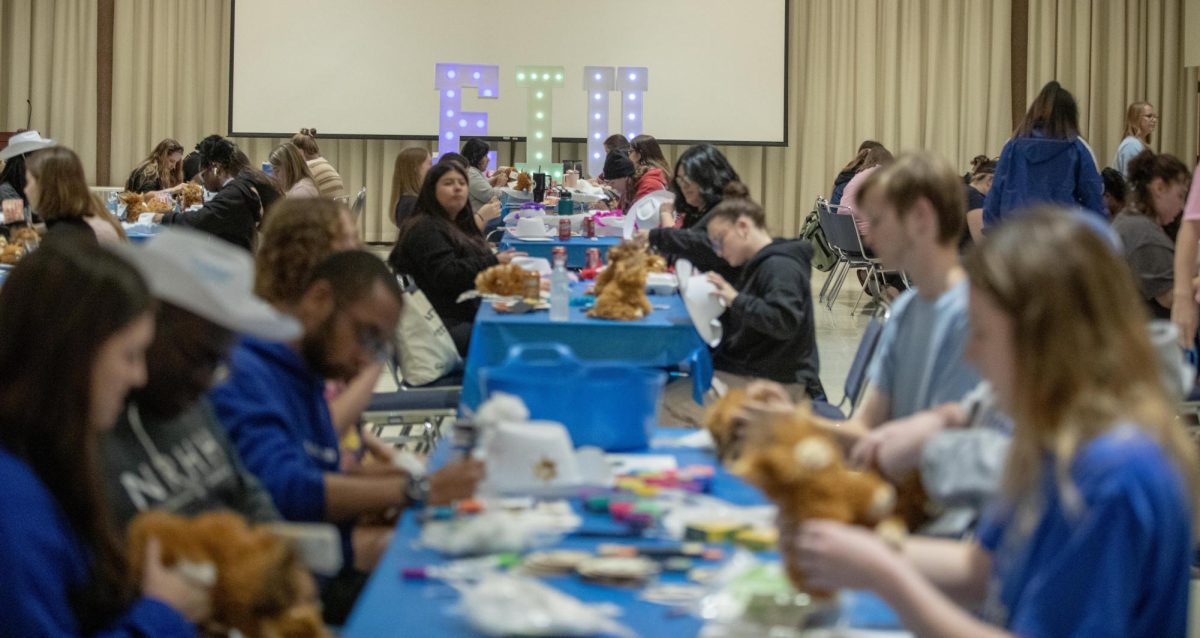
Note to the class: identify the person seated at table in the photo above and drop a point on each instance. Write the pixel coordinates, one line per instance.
(273, 406)
(979, 182)
(768, 328)
(1114, 192)
(57, 189)
(652, 170)
(631, 182)
(456, 158)
(441, 247)
(614, 142)
(701, 174)
(1101, 482)
(483, 190)
(917, 213)
(294, 242)
(412, 165)
(161, 170)
(291, 173)
(265, 185)
(234, 212)
(68, 368)
(167, 450)
(850, 170)
(324, 175)
(876, 157)
(1160, 185)
(13, 157)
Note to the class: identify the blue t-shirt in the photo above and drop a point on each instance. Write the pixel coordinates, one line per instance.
(273, 405)
(1118, 565)
(919, 363)
(44, 565)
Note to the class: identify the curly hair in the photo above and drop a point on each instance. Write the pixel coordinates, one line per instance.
(297, 236)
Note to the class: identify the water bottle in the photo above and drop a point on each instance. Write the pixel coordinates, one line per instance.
(560, 289)
(112, 203)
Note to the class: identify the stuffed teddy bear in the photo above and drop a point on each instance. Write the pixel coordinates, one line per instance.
(524, 181)
(624, 297)
(259, 585)
(802, 470)
(506, 280)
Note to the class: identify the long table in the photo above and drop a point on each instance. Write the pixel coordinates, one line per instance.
(577, 247)
(391, 605)
(664, 338)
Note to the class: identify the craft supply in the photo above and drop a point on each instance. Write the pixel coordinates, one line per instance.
(712, 532)
(758, 539)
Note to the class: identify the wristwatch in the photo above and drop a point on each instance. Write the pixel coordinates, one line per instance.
(417, 491)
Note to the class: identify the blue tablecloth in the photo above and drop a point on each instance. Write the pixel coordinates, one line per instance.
(576, 247)
(665, 338)
(391, 605)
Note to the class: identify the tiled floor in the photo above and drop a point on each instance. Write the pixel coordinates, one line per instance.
(838, 332)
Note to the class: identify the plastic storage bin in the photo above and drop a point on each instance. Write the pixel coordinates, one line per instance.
(610, 405)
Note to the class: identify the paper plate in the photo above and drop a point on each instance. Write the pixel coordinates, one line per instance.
(703, 308)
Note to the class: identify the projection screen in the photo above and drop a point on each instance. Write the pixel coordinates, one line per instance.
(716, 70)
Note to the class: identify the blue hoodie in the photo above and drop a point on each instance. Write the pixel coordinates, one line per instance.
(273, 405)
(44, 564)
(1039, 170)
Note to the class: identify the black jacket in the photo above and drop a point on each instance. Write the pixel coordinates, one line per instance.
(441, 269)
(692, 244)
(268, 191)
(233, 214)
(769, 330)
(143, 180)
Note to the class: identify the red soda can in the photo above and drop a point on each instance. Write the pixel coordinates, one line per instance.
(593, 258)
(589, 227)
(564, 228)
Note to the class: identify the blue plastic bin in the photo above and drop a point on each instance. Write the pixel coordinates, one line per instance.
(610, 405)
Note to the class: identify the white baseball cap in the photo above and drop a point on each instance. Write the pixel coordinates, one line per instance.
(26, 142)
(209, 278)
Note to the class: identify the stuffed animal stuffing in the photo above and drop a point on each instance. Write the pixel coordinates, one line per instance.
(802, 470)
(505, 279)
(260, 586)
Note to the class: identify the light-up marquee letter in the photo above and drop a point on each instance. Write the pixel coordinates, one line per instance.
(598, 81)
(540, 82)
(450, 80)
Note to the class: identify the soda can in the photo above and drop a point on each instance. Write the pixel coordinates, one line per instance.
(589, 227)
(564, 228)
(533, 287)
(593, 258)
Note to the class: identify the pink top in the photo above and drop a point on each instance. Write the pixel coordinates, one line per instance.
(1191, 210)
(850, 201)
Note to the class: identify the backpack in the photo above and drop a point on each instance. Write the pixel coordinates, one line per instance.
(823, 258)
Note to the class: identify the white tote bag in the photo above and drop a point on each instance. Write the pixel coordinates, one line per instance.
(427, 352)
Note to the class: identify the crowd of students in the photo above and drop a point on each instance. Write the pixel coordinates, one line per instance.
(223, 367)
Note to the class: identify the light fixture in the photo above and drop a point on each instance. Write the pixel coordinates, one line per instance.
(598, 77)
(450, 113)
(475, 75)
(450, 94)
(480, 124)
(462, 124)
(449, 135)
(451, 74)
(596, 116)
(520, 76)
(539, 115)
(487, 93)
(540, 95)
(633, 97)
(633, 77)
(632, 117)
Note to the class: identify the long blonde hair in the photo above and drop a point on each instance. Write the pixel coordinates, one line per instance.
(289, 165)
(156, 164)
(1084, 361)
(406, 175)
(1132, 115)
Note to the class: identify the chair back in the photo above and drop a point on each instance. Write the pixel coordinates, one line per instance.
(360, 203)
(856, 377)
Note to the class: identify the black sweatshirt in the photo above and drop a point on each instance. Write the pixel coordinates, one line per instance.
(769, 329)
(440, 268)
(232, 214)
(692, 244)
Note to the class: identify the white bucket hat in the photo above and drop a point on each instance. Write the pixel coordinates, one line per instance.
(209, 278)
(23, 143)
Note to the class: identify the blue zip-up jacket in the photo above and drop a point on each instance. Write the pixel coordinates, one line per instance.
(43, 564)
(273, 405)
(1040, 170)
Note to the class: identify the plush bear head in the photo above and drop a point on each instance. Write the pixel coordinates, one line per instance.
(803, 471)
(506, 280)
(260, 587)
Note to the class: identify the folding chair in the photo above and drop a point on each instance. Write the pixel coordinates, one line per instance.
(360, 203)
(841, 232)
(413, 415)
(857, 375)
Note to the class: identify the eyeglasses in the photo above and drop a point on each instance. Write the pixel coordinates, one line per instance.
(682, 181)
(718, 241)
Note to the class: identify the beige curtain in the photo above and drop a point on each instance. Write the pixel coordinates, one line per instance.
(1111, 53)
(168, 78)
(48, 56)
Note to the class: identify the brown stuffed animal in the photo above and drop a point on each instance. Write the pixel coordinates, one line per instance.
(524, 181)
(261, 589)
(803, 472)
(505, 279)
(629, 251)
(191, 194)
(624, 298)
